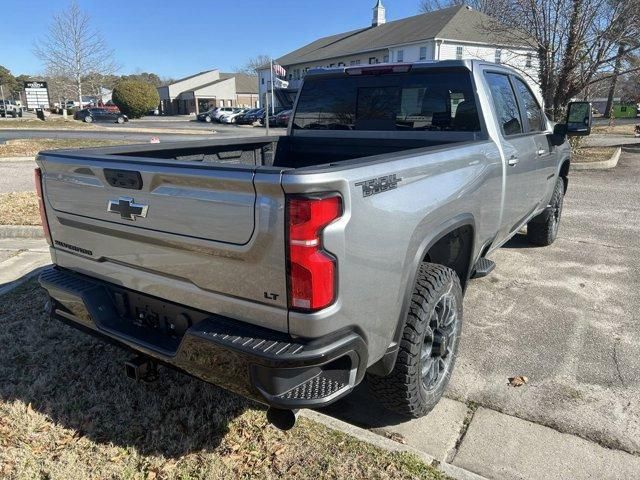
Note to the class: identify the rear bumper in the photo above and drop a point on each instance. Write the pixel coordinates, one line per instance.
(255, 362)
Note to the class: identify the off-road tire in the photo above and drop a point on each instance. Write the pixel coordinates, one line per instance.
(542, 230)
(404, 390)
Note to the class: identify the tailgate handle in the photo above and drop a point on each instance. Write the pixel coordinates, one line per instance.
(123, 178)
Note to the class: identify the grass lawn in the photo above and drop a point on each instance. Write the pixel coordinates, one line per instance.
(592, 154)
(67, 411)
(31, 147)
(19, 208)
(616, 130)
(56, 123)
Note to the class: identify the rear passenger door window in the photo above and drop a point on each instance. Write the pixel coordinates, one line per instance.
(531, 107)
(504, 100)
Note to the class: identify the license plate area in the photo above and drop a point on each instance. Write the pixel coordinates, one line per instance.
(149, 320)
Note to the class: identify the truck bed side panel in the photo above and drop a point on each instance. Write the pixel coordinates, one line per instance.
(378, 241)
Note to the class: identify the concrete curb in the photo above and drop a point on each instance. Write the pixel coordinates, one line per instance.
(604, 165)
(21, 231)
(388, 444)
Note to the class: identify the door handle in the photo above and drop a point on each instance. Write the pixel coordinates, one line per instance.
(513, 161)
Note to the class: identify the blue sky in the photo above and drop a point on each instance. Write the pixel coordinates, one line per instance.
(178, 38)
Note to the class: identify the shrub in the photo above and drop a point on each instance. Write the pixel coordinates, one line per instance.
(135, 98)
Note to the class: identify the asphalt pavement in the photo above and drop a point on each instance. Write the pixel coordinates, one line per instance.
(566, 317)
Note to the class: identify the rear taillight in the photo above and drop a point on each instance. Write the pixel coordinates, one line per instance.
(43, 213)
(312, 270)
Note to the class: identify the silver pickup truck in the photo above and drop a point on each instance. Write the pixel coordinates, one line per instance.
(289, 268)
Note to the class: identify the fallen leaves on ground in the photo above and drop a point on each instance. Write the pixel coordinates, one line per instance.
(518, 381)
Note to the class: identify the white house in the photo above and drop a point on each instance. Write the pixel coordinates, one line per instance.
(452, 33)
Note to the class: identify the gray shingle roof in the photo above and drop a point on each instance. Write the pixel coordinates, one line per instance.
(454, 23)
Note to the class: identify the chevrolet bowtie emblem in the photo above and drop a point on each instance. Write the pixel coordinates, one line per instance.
(127, 209)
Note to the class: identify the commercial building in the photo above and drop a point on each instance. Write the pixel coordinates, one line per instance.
(207, 89)
(452, 33)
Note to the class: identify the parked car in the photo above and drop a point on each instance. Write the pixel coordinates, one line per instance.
(89, 115)
(234, 111)
(109, 106)
(249, 111)
(281, 119)
(338, 252)
(272, 113)
(233, 116)
(221, 111)
(10, 108)
(206, 116)
(250, 118)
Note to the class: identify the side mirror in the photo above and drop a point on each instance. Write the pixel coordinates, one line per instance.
(579, 118)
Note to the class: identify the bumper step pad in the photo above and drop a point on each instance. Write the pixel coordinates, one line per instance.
(315, 389)
(483, 268)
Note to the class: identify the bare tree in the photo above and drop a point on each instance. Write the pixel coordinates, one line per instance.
(254, 64)
(74, 49)
(578, 42)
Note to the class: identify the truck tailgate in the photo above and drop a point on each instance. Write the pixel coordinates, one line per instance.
(175, 229)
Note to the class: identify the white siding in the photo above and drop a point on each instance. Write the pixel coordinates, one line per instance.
(411, 53)
(515, 58)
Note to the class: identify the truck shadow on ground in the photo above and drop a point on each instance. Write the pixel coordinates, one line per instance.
(361, 408)
(519, 240)
(79, 383)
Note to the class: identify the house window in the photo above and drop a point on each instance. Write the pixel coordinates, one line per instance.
(340, 64)
(498, 55)
(385, 59)
(262, 80)
(529, 59)
(372, 60)
(400, 56)
(296, 73)
(458, 53)
(423, 53)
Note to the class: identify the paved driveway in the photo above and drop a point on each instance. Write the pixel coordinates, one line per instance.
(566, 316)
(16, 176)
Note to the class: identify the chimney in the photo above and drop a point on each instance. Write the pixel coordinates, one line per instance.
(379, 14)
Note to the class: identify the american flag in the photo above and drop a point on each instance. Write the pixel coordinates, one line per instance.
(279, 71)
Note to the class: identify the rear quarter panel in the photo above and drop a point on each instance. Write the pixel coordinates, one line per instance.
(379, 241)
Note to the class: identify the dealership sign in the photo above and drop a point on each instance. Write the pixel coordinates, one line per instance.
(37, 94)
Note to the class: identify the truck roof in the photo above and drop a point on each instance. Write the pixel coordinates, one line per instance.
(403, 67)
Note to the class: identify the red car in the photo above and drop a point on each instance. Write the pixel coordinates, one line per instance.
(110, 107)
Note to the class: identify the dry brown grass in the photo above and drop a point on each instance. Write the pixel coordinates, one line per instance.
(56, 123)
(31, 147)
(593, 154)
(67, 411)
(19, 208)
(627, 129)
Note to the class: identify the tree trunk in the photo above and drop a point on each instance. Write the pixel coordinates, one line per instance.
(79, 87)
(614, 81)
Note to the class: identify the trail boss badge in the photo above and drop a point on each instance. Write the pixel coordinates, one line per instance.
(379, 185)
